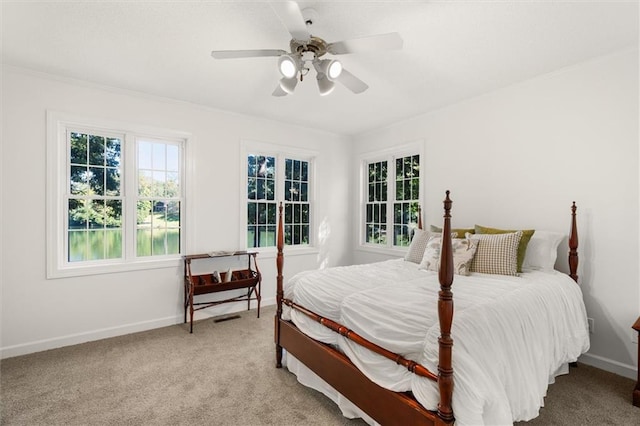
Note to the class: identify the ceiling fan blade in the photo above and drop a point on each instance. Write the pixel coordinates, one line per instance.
(233, 54)
(291, 16)
(390, 41)
(352, 82)
(279, 92)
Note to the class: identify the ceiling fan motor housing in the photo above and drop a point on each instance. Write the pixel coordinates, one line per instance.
(315, 44)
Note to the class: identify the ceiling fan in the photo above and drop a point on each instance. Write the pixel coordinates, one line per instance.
(307, 50)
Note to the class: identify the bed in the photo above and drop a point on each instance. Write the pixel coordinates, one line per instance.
(378, 339)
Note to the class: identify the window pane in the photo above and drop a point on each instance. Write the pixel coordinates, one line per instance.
(271, 232)
(78, 144)
(288, 173)
(252, 193)
(252, 214)
(158, 157)
(158, 185)
(96, 150)
(270, 190)
(173, 241)
(305, 171)
(112, 153)
(112, 182)
(96, 180)
(158, 245)
(78, 181)
(77, 246)
(78, 214)
(113, 244)
(288, 234)
(173, 158)
(262, 213)
(96, 245)
(372, 172)
(271, 213)
(172, 186)
(145, 183)
(95, 214)
(143, 242)
(251, 236)
(173, 214)
(288, 213)
(144, 155)
(113, 214)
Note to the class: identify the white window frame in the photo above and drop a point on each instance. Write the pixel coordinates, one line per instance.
(280, 153)
(390, 155)
(58, 123)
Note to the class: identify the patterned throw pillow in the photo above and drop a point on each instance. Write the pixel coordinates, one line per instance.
(522, 246)
(463, 252)
(417, 246)
(496, 253)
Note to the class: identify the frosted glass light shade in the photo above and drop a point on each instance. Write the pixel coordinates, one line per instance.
(325, 85)
(335, 69)
(288, 84)
(287, 66)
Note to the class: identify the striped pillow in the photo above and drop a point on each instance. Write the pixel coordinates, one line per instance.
(496, 253)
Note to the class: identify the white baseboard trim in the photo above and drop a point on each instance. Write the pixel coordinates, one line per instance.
(609, 365)
(104, 333)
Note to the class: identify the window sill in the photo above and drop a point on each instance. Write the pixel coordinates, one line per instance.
(111, 268)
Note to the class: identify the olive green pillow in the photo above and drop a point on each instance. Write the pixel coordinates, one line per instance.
(524, 241)
(460, 232)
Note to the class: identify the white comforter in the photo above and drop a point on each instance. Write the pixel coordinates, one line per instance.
(511, 334)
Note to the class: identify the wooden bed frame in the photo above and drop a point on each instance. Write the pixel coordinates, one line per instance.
(384, 406)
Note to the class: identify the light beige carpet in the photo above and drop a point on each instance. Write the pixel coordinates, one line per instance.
(224, 374)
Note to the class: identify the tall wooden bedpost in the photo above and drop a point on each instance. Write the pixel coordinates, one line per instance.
(279, 291)
(445, 314)
(573, 245)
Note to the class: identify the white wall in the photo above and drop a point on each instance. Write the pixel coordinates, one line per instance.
(38, 313)
(519, 156)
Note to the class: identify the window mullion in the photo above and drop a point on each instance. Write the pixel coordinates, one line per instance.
(130, 197)
(391, 197)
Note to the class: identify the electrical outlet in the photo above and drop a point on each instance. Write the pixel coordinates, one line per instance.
(590, 322)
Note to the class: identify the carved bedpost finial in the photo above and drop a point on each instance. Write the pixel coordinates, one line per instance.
(573, 245)
(445, 314)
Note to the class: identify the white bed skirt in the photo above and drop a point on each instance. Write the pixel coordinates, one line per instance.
(349, 410)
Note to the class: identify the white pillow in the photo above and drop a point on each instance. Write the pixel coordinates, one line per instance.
(542, 251)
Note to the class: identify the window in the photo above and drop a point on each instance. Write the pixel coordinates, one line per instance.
(158, 198)
(115, 197)
(392, 199)
(296, 205)
(271, 178)
(94, 208)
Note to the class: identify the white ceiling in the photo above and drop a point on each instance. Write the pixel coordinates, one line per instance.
(452, 50)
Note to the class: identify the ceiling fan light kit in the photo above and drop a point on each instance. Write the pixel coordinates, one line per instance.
(305, 48)
(287, 65)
